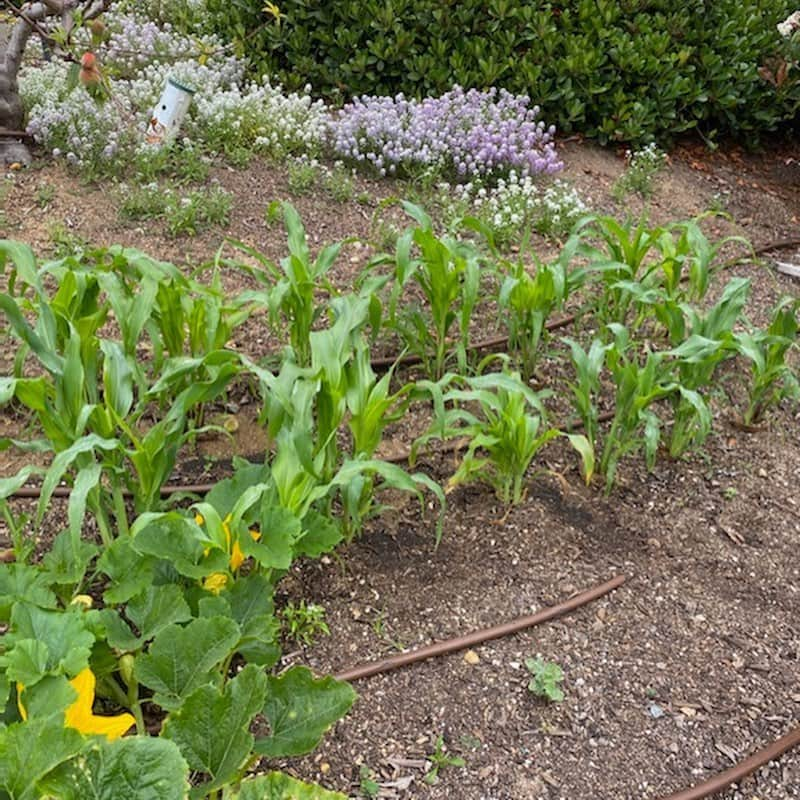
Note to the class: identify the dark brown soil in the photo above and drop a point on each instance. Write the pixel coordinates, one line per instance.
(692, 665)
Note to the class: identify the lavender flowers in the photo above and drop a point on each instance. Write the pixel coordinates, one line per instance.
(467, 134)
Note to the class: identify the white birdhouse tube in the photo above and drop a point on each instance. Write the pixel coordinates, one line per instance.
(165, 122)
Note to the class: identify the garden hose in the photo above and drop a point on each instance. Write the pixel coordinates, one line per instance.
(474, 638)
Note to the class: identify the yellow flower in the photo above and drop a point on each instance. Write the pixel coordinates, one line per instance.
(215, 582)
(237, 556)
(198, 518)
(79, 715)
(83, 599)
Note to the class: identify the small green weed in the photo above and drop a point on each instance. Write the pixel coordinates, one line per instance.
(182, 163)
(198, 210)
(546, 679)
(304, 622)
(440, 759)
(303, 175)
(643, 166)
(338, 183)
(66, 242)
(368, 787)
(45, 193)
(184, 214)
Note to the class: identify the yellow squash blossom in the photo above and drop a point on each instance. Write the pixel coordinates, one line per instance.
(237, 558)
(79, 715)
(215, 582)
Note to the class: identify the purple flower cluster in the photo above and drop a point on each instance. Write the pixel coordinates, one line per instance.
(469, 133)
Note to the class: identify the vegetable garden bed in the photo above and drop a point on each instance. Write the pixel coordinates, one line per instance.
(689, 666)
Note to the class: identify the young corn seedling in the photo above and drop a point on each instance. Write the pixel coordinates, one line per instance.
(635, 425)
(772, 377)
(447, 271)
(620, 263)
(504, 438)
(292, 288)
(530, 300)
(585, 389)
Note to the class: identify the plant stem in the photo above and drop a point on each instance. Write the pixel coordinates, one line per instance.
(120, 512)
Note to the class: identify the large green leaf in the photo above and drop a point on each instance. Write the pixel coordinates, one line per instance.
(280, 786)
(178, 540)
(212, 728)
(182, 659)
(133, 768)
(18, 583)
(130, 572)
(67, 561)
(279, 530)
(155, 608)
(64, 633)
(251, 605)
(300, 708)
(29, 750)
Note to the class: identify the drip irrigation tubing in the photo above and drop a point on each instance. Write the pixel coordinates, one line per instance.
(474, 638)
(720, 782)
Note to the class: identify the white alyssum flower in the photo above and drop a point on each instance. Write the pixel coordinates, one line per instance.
(790, 24)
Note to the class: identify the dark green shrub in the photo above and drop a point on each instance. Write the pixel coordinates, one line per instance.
(624, 70)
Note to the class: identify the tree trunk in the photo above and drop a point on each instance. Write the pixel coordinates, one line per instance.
(13, 39)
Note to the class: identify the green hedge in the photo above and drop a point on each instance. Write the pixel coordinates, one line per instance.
(624, 70)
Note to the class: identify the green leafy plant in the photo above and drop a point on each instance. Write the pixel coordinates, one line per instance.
(545, 679)
(302, 175)
(530, 300)
(504, 439)
(447, 272)
(175, 611)
(772, 377)
(642, 167)
(292, 287)
(368, 786)
(609, 70)
(440, 759)
(304, 622)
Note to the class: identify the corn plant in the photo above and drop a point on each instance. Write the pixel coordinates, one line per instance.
(505, 436)
(634, 426)
(93, 397)
(447, 271)
(530, 300)
(620, 263)
(588, 366)
(772, 377)
(292, 288)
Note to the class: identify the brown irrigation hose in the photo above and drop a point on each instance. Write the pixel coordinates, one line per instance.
(480, 636)
(741, 770)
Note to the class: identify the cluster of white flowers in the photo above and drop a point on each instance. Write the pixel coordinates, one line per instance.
(259, 116)
(789, 25)
(224, 113)
(70, 123)
(520, 202)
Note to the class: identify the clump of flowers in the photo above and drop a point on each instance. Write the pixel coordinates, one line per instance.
(464, 133)
(789, 25)
(516, 205)
(226, 115)
(642, 167)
